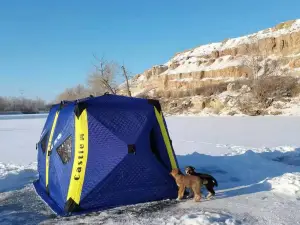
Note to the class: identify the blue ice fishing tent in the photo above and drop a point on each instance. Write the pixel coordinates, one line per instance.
(103, 152)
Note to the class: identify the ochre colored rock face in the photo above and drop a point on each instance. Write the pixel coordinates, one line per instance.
(230, 59)
(295, 63)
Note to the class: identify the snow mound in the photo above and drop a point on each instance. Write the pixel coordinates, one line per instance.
(285, 154)
(287, 184)
(8, 169)
(203, 218)
(14, 177)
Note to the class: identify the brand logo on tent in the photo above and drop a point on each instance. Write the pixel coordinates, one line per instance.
(79, 158)
(57, 139)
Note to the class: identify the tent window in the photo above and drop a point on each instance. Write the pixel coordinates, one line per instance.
(64, 150)
(44, 142)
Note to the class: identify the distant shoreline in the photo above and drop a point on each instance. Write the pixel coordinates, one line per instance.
(21, 116)
(22, 113)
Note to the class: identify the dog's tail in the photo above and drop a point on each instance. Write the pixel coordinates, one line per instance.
(215, 181)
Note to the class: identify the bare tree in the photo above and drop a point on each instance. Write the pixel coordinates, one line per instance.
(103, 78)
(71, 94)
(126, 79)
(40, 103)
(261, 66)
(80, 91)
(3, 104)
(22, 104)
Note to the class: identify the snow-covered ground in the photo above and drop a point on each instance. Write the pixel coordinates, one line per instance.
(256, 161)
(19, 135)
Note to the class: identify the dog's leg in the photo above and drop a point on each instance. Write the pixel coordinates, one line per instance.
(209, 196)
(180, 192)
(191, 193)
(210, 189)
(197, 193)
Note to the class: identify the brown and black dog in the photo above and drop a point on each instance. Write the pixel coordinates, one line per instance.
(208, 181)
(192, 182)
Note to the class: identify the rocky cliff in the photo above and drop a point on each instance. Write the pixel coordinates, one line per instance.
(185, 78)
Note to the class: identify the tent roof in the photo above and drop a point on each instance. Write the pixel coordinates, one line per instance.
(112, 99)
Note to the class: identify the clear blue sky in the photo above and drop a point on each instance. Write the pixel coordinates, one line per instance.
(48, 46)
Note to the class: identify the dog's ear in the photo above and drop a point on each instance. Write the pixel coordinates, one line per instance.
(174, 171)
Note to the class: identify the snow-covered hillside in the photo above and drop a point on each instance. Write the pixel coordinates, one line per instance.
(188, 60)
(198, 59)
(256, 161)
(190, 80)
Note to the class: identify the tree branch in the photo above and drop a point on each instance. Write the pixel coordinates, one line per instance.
(126, 78)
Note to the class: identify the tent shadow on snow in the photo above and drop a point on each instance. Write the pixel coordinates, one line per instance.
(246, 173)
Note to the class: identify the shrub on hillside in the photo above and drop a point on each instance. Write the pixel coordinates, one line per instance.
(209, 90)
(274, 88)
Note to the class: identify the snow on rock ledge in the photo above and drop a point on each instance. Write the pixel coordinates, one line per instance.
(280, 29)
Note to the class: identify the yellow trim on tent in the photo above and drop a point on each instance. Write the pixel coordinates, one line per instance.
(167, 141)
(80, 157)
(49, 147)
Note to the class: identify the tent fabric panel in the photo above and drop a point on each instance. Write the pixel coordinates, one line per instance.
(54, 186)
(105, 152)
(157, 144)
(61, 171)
(40, 190)
(135, 180)
(140, 174)
(124, 122)
(164, 132)
(41, 155)
(65, 117)
(48, 151)
(116, 100)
